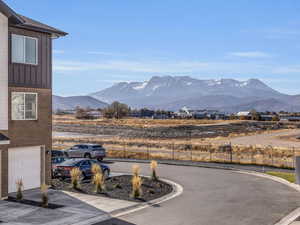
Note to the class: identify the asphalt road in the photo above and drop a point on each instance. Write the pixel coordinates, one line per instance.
(213, 197)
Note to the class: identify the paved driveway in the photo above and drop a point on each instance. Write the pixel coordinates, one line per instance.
(73, 212)
(214, 197)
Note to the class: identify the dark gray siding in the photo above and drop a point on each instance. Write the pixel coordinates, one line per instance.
(32, 76)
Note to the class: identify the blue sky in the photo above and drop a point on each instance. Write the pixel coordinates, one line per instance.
(132, 40)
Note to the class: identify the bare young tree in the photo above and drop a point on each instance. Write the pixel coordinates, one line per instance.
(116, 110)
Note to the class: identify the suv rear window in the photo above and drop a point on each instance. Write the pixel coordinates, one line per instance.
(57, 153)
(97, 146)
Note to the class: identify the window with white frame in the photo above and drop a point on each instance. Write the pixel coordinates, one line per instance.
(24, 49)
(24, 106)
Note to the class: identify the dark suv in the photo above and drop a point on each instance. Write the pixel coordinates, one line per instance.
(85, 165)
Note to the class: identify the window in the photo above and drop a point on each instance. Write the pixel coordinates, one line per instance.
(24, 106)
(24, 49)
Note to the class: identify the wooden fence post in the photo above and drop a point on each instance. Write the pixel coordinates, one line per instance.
(230, 152)
(148, 152)
(124, 149)
(173, 149)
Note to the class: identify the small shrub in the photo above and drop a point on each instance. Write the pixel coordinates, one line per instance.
(136, 170)
(153, 166)
(45, 198)
(151, 191)
(117, 186)
(75, 178)
(136, 186)
(98, 181)
(20, 186)
(96, 169)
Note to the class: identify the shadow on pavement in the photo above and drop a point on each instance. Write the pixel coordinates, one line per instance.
(114, 221)
(107, 162)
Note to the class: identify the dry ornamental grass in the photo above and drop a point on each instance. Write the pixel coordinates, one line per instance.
(136, 186)
(153, 166)
(136, 170)
(99, 182)
(96, 169)
(45, 197)
(75, 178)
(20, 187)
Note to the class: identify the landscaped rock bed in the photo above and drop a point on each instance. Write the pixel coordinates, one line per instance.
(119, 187)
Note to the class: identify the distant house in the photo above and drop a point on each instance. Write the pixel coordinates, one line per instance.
(200, 114)
(142, 113)
(65, 112)
(160, 116)
(94, 114)
(289, 117)
(265, 117)
(244, 115)
(184, 113)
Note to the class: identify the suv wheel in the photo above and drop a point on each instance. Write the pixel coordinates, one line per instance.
(105, 174)
(82, 177)
(100, 159)
(87, 155)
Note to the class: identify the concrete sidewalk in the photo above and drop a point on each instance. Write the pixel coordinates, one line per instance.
(108, 205)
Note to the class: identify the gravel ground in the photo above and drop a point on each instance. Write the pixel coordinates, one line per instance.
(266, 139)
(207, 131)
(119, 187)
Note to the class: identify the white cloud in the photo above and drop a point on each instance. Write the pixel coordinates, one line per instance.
(177, 67)
(251, 54)
(104, 53)
(56, 51)
(276, 33)
(290, 69)
(280, 33)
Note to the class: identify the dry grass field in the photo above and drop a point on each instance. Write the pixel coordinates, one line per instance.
(135, 122)
(192, 139)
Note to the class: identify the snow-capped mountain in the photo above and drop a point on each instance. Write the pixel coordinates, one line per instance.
(169, 92)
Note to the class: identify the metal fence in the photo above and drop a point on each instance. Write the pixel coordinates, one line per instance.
(204, 152)
(268, 156)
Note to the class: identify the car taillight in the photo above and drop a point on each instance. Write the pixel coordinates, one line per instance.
(65, 168)
(68, 168)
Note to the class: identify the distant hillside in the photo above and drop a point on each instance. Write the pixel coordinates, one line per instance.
(272, 105)
(67, 103)
(172, 93)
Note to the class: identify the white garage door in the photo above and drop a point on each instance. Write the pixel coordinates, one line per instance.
(24, 163)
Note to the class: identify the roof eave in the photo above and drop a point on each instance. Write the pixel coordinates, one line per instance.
(10, 14)
(54, 34)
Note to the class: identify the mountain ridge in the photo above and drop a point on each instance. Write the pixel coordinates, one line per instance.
(173, 92)
(71, 102)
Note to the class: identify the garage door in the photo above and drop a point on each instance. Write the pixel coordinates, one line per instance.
(24, 163)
